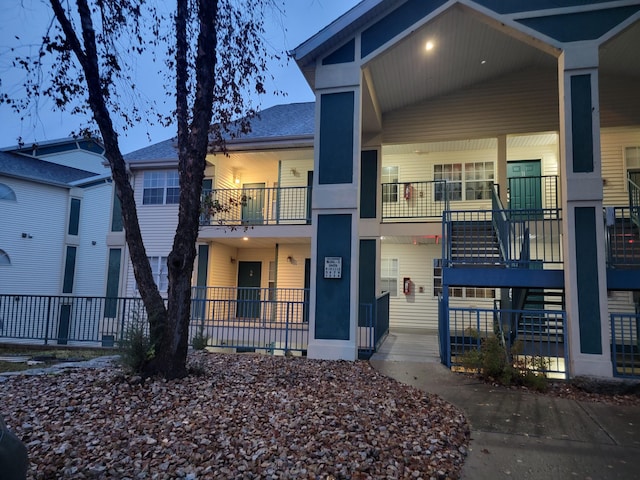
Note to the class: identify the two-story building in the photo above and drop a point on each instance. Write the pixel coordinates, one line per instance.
(56, 201)
(477, 160)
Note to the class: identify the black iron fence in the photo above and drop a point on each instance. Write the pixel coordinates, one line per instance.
(274, 321)
(68, 320)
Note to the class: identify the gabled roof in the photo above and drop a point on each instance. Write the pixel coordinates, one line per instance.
(41, 171)
(274, 127)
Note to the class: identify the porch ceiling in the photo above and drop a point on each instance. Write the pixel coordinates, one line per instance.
(468, 49)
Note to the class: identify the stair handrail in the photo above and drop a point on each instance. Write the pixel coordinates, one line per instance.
(634, 200)
(446, 236)
(501, 222)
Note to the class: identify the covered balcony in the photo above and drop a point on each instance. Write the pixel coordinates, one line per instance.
(256, 206)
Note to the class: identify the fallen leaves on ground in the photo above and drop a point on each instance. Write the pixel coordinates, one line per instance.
(244, 416)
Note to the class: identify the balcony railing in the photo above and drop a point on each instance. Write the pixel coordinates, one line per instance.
(623, 238)
(256, 206)
(414, 201)
(533, 192)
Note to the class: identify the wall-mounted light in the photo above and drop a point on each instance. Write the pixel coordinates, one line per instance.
(233, 260)
(93, 242)
(26, 235)
(294, 172)
(290, 259)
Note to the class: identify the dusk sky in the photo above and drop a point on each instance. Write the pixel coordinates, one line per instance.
(28, 20)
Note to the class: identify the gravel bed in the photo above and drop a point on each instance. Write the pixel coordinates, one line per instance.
(241, 417)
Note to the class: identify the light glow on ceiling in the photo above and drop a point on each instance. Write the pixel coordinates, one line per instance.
(429, 46)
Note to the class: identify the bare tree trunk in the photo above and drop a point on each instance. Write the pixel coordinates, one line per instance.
(171, 349)
(88, 59)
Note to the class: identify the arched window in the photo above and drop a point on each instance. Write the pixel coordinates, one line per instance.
(6, 193)
(4, 258)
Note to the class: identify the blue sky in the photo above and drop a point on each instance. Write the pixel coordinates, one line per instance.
(28, 19)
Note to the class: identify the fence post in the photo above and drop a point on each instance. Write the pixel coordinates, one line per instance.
(46, 328)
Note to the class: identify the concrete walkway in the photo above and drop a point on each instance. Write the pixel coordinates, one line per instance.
(520, 435)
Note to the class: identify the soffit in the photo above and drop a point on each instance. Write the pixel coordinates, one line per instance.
(468, 49)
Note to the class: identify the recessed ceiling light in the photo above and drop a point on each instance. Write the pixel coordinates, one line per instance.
(429, 45)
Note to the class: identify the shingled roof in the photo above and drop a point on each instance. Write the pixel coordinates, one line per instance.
(293, 120)
(34, 169)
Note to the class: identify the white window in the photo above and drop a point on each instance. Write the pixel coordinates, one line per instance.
(389, 276)
(160, 272)
(632, 164)
(161, 187)
(465, 181)
(478, 180)
(389, 184)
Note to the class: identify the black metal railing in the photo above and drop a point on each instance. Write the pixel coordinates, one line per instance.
(530, 193)
(414, 201)
(68, 320)
(540, 347)
(469, 239)
(256, 206)
(625, 344)
(622, 238)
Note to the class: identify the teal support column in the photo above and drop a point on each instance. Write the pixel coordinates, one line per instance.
(335, 247)
(587, 335)
(333, 295)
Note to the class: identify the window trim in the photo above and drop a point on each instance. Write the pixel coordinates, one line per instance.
(464, 166)
(5, 259)
(157, 262)
(7, 194)
(390, 278)
(384, 183)
(159, 180)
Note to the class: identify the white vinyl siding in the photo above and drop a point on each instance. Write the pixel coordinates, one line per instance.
(95, 222)
(613, 143)
(291, 275)
(526, 101)
(420, 309)
(41, 213)
(223, 264)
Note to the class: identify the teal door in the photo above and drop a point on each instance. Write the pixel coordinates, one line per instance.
(525, 185)
(249, 274)
(252, 203)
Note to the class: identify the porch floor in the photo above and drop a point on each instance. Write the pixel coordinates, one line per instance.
(409, 345)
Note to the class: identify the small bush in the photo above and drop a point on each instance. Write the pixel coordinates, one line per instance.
(494, 362)
(200, 340)
(136, 348)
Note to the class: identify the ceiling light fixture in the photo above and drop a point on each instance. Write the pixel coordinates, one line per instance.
(429, 45)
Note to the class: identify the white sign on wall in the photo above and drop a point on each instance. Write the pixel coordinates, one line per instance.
(332, 267)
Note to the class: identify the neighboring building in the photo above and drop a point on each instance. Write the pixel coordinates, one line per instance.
(520, 121)
(55, 208)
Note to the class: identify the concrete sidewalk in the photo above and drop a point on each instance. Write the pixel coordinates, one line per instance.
(520, 435)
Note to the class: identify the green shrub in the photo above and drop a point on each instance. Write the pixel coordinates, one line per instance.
(136, 348)
(495, 362)
(200, 340)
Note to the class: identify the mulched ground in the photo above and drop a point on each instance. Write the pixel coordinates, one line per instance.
(243, 417)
